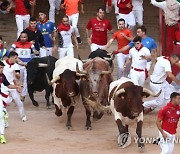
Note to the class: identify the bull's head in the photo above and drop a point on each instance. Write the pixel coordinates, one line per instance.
(33, 70)
(93, 77)
(132, 98)
(66, 82)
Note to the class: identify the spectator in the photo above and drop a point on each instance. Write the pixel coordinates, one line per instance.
(139, 56)
(22, 13)
(158, 82)
(99, 27)
(35, 37)
(123, 36)
(71, 8)
(54, 9)
(49, 33)
(66, 33)
(167, 122)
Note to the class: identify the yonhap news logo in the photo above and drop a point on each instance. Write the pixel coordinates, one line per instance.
(157, 140)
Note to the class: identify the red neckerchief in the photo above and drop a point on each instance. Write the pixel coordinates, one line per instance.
(10, 64)
(63, 27)
(33, 30)
(168, 58)
(2, 46)
(140, 47)
(45, 20)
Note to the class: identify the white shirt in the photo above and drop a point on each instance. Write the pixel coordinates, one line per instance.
(66, 35)
(137, 4)
(161, 67)
(9, 71)
(161, 5)
(137, 61)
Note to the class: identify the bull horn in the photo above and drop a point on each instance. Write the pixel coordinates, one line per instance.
(49, 82)
(55, 79)
(80, 73)
(107, 72)
(151, 93)
(109, 59)
(120, 91)
(42, 65)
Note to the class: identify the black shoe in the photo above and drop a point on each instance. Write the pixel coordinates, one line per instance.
(79, 40)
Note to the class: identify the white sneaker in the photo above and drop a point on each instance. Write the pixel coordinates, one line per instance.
(24, 118)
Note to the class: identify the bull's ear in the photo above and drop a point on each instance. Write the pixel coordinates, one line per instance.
(145, 95)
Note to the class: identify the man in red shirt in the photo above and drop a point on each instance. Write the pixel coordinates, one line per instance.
(99, 27)
(123, 36)
(22, 13)
(167, 122)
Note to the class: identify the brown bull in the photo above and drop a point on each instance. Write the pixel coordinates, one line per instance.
(94, 87)
(126, 104)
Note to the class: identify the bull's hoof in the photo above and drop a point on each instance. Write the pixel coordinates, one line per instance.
(35, 103)
(58, 113)
(88, 128)
(141, 149)
(49, 107)
(69, 126)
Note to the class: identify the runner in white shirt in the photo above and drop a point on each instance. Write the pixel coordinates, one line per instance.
(139, 56)
(66, 33)
(12, 73)
(158, 82)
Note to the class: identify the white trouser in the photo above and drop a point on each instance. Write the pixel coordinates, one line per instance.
(66, 52)
(22, 22)
(121, 58)
(129, 19)
(16, 97)
(74, 22)
(23, 77)
(2, 125)
(167, 145)
(94, 47)
(138, 77)
(45, 52)
(54, 5)
(138, 14)
(162, 99)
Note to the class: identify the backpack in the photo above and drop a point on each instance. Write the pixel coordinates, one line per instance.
(171, 15)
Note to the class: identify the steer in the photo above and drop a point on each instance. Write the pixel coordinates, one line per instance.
(65, 86)
(126, 104)
(94, 86)
(37, 71)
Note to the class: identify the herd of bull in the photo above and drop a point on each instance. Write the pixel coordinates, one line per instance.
(69, 78)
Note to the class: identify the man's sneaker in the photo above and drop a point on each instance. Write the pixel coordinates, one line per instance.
(2, 139)
(24, 118)
(79, 40)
